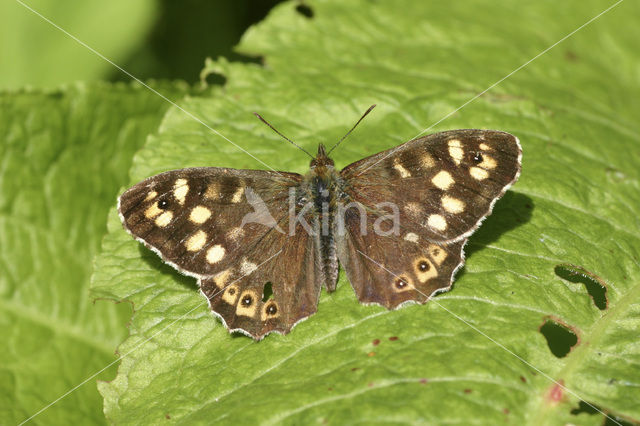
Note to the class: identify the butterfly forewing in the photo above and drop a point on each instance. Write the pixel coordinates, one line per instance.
(443, 184)
(193, 217)
(230, 229)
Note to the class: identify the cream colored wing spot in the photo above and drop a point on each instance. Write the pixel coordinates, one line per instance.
(424, 269)
(196, 241)
(199, 214)
(402, 283)
(247, 267)
(237, 196)
(215, 254)
(230, 295)
(437, 254)
(152, 211)
(235, 233)
(485, 147)
(212, 192)
(164, 219)
(414, 209)
(427, 161)
(411, 237)
(151, 195)
(221, 278)
(478, 174)
(180, 190)
(443, 180)
(404, 173)
(455, 151)
(247, 304)
(452, 205)
(437, 222)
(487, 162)
(270, 311)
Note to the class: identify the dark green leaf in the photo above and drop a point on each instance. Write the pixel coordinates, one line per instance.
(63, 156)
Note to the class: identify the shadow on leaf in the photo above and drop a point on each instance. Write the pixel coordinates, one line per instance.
(154, 261)
(510, 212)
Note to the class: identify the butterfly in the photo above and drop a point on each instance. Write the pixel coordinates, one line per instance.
(262, 244)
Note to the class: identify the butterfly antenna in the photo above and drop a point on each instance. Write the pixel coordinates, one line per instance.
(283, 136)
(354, 126)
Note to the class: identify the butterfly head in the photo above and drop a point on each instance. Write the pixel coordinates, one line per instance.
(322, 161)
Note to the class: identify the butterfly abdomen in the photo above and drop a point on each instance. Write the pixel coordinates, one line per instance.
(322, 187)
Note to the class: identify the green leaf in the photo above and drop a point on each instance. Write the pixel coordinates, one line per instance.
(478, 353)
(64, 154)
(35, 53)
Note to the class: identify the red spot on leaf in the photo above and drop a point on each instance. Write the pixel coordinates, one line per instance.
(523, 380)
(393, 338)
(556, 393)
(376, 342)
(468, 390)
(423, 381)
(355, 369)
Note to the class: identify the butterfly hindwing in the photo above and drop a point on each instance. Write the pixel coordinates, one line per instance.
(274, 296)
(445, 183)
(394, 269)
(229, 229)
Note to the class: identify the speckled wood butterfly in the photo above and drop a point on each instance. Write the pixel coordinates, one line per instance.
(262, 244)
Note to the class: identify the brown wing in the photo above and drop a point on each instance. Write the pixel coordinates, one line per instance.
(445, 183)
(280, 292)
(230, 229)
(434, 192)
(393, 269)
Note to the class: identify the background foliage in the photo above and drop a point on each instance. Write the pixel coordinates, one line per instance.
(552, 276)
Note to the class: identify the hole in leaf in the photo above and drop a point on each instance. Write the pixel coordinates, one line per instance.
(583, 407)
(304, 10)
(596, 287)
(267, 292)
(592, 409)
(560, 337)
(214, 79)
(612, 420)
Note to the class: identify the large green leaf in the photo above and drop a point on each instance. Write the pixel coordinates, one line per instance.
(35, 53)
(492, 349)
(64, 154)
